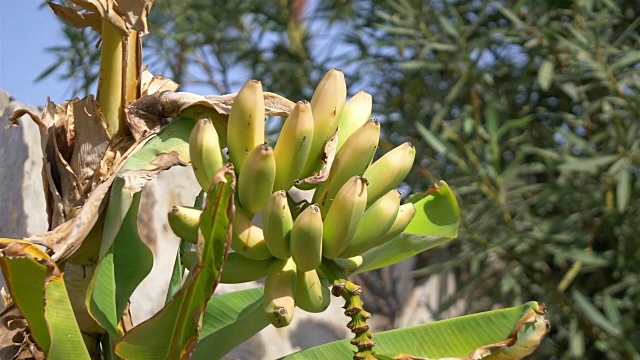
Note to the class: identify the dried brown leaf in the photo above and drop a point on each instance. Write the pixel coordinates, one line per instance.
(124, 15)
(328, 156)
(76, 18)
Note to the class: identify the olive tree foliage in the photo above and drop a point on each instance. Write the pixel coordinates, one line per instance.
(529, 109)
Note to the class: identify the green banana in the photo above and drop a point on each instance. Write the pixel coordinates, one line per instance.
(245, 129)
(276, 224)
(238, 269)
(306, 239)
(405, 214)
(388, 172)
(205, 152)
(351, 264)
(248, 239)
(353, 159)
(356, 112)
(184, 222)
(255, 179)
(376, 221)
(293, 146)
(279, 292)
(327, 103)
(311, 294)
(343, 216)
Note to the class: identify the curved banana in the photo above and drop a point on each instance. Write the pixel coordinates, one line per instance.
(343, 216)
(311, 294)
(279, 292)
(327, 103)
(255, 179)
(184, 221)
(293, 146)
(245, 129)
(376, 221)
(205, 152)
(353, 159)
(405, 214)
(356, 112)
(351, 264)
(238, 269)
(276, 224)
(248, 239)
(306, 239)
(388, 172)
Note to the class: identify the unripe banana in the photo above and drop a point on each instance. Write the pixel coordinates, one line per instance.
(311, 294)
(343, 216)
(279, 292)
(184, 222)
(205, 152)
(238, 269)
(306, 239)
(248, 239)
(327, 104)
(388, 172)
(294, 143)
(353, 159)
(405, 214)
(356, 112)
(376, 221)
(245, 130)
(350, 265)
(255, 179)
(276, 224)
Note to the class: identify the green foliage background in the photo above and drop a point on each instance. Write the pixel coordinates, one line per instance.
(528, 109)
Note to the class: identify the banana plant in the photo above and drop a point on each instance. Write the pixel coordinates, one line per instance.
(70, 287)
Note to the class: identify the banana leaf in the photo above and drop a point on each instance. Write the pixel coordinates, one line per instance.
(124, 260)
(511, 333)
(435, 223)
(173, 332)
(38, 290)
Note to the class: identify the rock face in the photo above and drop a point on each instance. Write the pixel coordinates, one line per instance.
(23, 213)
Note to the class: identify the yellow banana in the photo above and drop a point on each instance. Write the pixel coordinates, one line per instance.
(205, 152)
(356, 112)
(276, 224)
(353, 159)
(306, 239)
(279, 292)
(405, 214)
(311, 294)
(248, 239)
(327, 103)
(245, 130)
(238, 269)
(388, 172)
(293, 146)
(343, 216)
(350, 265)
(376, 221)
(255, 179)
(184, 222)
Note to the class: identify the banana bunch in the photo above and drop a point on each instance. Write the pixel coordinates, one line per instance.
(355, 206)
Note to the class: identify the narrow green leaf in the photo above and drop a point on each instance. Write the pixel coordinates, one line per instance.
(623, 189)
(173, 332)
(229, 320)
(519, 329)
(594, 315)
(493, 124)
(448, 26)
(38, 290)
(545, 75)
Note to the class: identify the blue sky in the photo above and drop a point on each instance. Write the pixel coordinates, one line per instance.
(25, 31)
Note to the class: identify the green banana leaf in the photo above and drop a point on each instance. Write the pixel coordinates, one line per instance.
(124, 259)
(39, 292)
(435, 223)
(511, 333)
(230, 319)
(173, 332)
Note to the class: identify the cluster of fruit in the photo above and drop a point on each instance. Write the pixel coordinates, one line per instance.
(355, 206)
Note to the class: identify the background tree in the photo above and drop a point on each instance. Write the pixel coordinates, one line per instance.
(528, 109)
